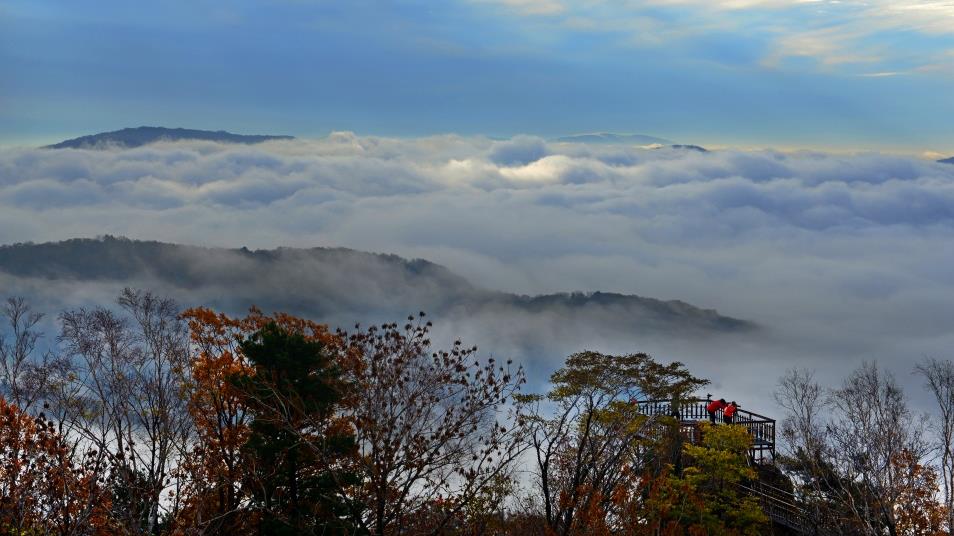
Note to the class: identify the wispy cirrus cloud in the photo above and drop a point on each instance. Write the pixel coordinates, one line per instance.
(842, 34)
(530, 7)
(780, 73)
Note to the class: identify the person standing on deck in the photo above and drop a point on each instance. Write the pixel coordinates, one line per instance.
(713, 407)
(728, 414)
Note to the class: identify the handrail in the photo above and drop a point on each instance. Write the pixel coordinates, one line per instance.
(770, 496)
(784, 507)
(782, 511)
(778, 489)
(756, 417)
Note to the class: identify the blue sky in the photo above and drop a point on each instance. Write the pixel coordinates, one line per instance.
(784, 73)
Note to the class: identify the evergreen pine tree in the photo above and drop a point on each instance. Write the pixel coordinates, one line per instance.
(299, 448)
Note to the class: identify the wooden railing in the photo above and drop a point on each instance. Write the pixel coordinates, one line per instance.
(784, 508)
(691, 410)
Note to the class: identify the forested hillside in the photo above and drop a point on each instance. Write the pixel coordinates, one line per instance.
(334, 285)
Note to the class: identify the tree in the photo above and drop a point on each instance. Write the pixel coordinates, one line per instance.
(215, 483)
(42, 490)
(211, 475)
(300, 449)
(842, 446)
(122, 398)
(23, 374)
(709, 496)
(918, 512)
(717, 470)
(939, 379)
(596, 444)
(433, 427)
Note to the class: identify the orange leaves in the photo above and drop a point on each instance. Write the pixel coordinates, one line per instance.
(41, 489)
(214, 404)
(216, 471)
(212, 473)
(591, 515)
(211, 329)
(918, 511)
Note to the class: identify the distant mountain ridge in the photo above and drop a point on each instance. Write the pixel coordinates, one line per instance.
(689, 148)
(610, 138)
(335, 283)
(947, 160)
(139, 136)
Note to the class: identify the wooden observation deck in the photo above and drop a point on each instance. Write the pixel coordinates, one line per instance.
(782, 507)
(691, 411)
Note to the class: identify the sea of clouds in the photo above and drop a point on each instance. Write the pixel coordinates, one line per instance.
(840, 258)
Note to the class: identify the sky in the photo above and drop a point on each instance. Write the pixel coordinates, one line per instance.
(832, 75)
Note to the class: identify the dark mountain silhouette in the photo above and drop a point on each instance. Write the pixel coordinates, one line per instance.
(947, 160)
(135, 137)
(690, 148)
(610, 138)
(332, 284)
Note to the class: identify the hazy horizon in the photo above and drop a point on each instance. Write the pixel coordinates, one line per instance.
(916, 151)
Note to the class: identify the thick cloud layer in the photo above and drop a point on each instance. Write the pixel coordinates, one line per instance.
(841, 257)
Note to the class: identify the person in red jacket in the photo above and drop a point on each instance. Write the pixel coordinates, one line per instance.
(728, 414)
(713, 407)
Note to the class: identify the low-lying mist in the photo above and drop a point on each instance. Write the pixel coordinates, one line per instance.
(837, 258)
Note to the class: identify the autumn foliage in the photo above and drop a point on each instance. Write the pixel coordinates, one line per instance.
(151, 421)
(215, 474)
(42, 488)
(918, 511)
(707, 496)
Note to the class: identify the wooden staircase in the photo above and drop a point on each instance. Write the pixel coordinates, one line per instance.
(784, 509)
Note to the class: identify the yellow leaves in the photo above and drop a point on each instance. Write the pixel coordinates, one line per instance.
(733, 438)
(722, 455)
(636, 374)
(704, 499)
